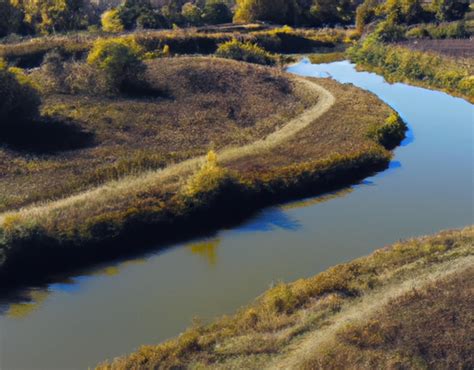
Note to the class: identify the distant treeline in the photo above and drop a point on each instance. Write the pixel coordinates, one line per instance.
(31, 17)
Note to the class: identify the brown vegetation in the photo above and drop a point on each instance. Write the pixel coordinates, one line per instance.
(205, 104)
(408, 305)
(334, 142)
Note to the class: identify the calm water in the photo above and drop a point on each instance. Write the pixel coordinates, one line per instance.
(113, 310)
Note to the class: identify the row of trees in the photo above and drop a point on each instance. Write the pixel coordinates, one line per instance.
(47, 16)
(406, 12)
(141, 14)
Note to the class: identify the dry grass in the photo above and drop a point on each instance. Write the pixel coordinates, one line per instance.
(206, 103)
(411, 301)
(327, 145)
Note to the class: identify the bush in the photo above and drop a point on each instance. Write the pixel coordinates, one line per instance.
(111, 21)
(216, 12)
(450, 10)
(391, 133)
(192, 14)
(246, 52)
(389, 31)
(119, 59)
(19, 100)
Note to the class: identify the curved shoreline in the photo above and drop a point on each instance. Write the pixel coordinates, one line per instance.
(34, 255)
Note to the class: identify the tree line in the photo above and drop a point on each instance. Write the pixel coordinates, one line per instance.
(30, 17)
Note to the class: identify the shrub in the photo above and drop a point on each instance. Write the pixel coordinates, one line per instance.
(447, 10)
(19, 100)
(119, 59)
(365, 14)
(111, 21)
(53, 72)
(192, 14)
(388, 31)
(391, 133)
(246, 52)
(216, 12)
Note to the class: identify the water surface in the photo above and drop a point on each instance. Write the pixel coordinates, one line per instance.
(113, 310)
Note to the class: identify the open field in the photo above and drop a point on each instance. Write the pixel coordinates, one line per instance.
(407, 305)
(340, 137)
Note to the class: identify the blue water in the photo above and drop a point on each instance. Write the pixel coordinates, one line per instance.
(113, 310)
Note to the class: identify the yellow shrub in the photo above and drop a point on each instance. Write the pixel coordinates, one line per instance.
(209, 177)
(111, 21)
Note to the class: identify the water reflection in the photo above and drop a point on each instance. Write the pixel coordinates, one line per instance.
(34, 299)
(206, 249)
(269, 220)
(27, 302)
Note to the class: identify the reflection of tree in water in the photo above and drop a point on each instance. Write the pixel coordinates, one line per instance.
(206, 249)
(31, 300)
(24, 309)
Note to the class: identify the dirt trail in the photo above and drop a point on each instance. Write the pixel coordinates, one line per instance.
(128, 186)
(295, 355)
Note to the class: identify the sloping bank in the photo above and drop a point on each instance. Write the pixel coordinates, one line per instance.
(408, 305)
(454, 75)
(342, 139)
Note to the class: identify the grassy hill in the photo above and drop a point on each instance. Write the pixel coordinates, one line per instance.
(408, 305)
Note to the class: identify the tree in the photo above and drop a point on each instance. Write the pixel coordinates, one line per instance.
(412, 11)
(449, 10)
(140, 13)
(119, 59)
(55, 15)
(111, 21)
(216, 12)
(191, 13)
(278, 11)
(365, 14)
(19, 101)
(10, 19)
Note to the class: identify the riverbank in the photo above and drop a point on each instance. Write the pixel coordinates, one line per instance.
(323, 148)
(392, 307)
(429, 69)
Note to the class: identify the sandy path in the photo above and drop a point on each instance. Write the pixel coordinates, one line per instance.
(295, 355)
(129, 186)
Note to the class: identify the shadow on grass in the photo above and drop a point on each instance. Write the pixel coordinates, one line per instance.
(47, 135)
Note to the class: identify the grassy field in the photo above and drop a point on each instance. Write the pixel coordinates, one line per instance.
(408, 305)
(276, 137)
(204, 104)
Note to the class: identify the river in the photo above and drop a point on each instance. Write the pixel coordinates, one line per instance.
(111, 310)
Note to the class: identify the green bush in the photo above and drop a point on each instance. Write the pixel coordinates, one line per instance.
(216, 12)
(19, 100)
(246, 52)
(119, 59)
(388, 31)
